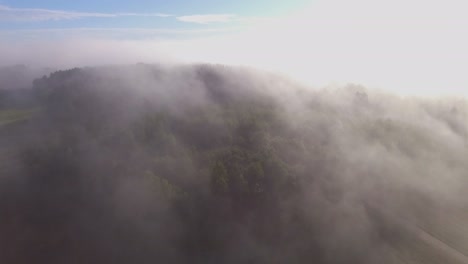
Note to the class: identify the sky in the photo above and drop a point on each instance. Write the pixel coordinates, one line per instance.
(407, 46)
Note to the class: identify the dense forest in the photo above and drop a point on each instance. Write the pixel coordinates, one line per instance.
(216, 164)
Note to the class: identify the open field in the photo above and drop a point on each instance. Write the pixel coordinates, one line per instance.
(14, 115)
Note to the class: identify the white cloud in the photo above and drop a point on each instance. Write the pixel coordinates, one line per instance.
(416, 47)
(19, 35)
(37, 14)
(206, 19)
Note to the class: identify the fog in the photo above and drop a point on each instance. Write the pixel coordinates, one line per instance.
(415, 48)
(182, 163)
(333, 134)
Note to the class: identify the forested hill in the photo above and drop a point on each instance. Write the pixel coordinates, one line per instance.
(214, 164)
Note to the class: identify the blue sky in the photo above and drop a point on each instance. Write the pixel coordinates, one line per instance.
(30, 14)
(251, 7)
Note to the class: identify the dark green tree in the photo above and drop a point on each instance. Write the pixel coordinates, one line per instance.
(219, 179)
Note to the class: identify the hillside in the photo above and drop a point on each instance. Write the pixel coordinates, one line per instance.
(215, 164)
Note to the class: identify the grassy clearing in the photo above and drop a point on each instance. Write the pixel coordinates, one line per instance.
(15, 115)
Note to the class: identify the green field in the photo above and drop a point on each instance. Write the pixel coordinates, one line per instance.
(15, 115)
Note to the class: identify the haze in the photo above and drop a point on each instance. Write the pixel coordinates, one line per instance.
(416, 47)
(297, 131)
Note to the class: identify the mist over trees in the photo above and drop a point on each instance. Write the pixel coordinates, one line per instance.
(216, 164)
